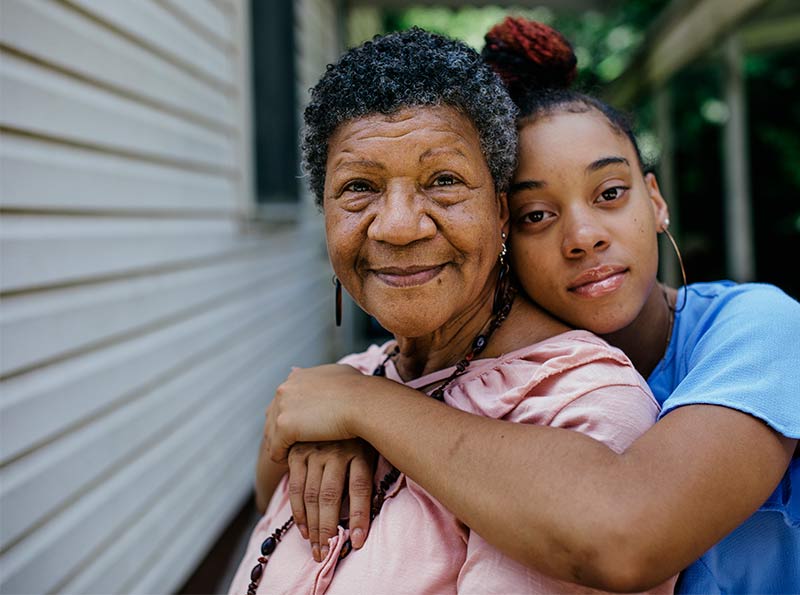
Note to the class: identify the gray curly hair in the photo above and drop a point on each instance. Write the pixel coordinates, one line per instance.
(407, 69)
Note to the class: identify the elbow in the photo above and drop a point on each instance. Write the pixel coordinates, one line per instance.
(626, 574)
(613, 553)
(622, 562)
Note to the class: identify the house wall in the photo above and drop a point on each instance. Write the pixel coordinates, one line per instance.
(145, 317)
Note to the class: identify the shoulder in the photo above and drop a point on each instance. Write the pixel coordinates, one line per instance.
(736, 345)
(566, 354)
(729, 313)
(555, 373)
(731, 299)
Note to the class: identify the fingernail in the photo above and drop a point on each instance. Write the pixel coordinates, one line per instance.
(324, 551)
(315, 553)
(303, 531)
(357, 537)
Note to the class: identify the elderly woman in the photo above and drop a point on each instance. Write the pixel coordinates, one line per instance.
(409, 145)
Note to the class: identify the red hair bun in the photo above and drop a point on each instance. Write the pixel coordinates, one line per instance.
(529, 56)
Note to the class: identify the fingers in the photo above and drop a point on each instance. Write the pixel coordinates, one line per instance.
(311, 502)
(297, 489)
(331, 489)
(318, 477)
(360, 491)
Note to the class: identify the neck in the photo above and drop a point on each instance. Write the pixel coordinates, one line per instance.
(644, 341)
(445, 346)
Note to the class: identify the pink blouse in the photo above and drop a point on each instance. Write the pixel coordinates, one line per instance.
(574, 380)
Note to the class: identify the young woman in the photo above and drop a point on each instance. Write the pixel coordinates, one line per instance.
(710, 487)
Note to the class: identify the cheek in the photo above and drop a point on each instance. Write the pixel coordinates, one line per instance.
(531, 270)
(343, 241)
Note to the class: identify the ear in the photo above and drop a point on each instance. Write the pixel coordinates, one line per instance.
(660, 208)
(502, 211)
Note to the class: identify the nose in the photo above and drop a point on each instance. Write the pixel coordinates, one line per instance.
(583, 235)
(401, 218)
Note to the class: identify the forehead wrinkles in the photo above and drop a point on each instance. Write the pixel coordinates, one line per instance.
(433, 140)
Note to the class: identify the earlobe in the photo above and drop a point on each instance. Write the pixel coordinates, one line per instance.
(660, 208)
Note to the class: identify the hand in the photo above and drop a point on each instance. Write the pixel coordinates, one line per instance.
(312, 405)
(318, 474)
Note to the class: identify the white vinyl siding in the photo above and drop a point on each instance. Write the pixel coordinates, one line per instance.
(145, 320)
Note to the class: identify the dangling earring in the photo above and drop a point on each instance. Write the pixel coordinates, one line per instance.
(501, 291)
(672, 241)
(338, 311)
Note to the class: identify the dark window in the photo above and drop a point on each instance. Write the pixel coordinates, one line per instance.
(274, 101)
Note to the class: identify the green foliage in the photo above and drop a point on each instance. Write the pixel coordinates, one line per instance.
(604, 42)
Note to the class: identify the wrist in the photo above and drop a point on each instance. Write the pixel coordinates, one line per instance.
(375, 400)
(361, 396)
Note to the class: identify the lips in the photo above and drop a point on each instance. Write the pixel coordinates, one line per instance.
(407, 276)
(598, 281)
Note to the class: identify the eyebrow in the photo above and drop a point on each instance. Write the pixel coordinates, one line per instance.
(605, 162)
(364, 163)
(433, 151)
(526, 185)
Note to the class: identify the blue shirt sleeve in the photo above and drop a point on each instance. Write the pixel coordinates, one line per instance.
(743, 352)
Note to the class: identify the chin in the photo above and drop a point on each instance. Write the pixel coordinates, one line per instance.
(609, 325)
(410, 324)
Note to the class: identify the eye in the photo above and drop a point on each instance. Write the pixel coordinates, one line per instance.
(613, 193)
(445, 180)
(536, 217)
(533, 217)
(357, 186)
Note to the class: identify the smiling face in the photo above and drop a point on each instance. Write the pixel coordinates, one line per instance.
(412, 217)
(584, 221)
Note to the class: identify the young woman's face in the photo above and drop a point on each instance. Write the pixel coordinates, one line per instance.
(412, 218)
(584, 221)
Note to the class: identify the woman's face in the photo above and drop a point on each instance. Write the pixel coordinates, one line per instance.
(584, 221)
(412, 218)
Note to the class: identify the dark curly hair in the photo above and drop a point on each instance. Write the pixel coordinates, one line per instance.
(407, 69)
(538, 66)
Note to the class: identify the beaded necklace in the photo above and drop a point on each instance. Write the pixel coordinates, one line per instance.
(478, 345)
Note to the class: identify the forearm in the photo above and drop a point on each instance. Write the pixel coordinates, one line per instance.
(501, 479)
(566, 504)
(268, 476)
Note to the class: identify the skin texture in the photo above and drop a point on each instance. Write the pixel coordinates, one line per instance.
(413, 224)
(579, 512)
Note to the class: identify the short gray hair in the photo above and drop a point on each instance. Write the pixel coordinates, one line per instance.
(407, 69)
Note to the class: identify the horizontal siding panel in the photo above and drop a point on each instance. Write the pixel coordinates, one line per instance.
(42, 404)
(102, 514)
(37, 175)
(37, 251)
(201, 504)
(212, 505)
(69, 40)
(33, 488)
(157, 28)
(144, 559)
(208, 15)
(37, 328)
(44, 102)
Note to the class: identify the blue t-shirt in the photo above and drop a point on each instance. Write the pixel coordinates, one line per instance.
(739, 346)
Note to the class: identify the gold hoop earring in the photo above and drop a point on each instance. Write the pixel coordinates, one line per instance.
(338, 306)
(680, 262)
